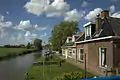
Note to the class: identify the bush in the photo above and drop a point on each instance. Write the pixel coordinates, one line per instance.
(69, 76)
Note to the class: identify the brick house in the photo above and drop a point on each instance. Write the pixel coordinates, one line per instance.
(69, 48)
(101, 44)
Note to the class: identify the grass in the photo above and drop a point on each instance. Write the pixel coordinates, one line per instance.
(36, 72)
(11, 52)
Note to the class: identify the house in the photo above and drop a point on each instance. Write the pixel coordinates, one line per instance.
(69, 48)
(100, 50)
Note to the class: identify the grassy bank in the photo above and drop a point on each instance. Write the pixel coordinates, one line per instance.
(36, 71)
(6, 53)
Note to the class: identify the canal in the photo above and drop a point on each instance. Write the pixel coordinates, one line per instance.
(15, 68)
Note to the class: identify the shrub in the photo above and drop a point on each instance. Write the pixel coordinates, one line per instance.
(70, 76)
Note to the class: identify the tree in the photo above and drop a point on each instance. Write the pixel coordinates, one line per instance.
(60, 33)
(28, 45)
(38, 44)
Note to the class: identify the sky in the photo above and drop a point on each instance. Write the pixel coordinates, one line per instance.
(21, 21)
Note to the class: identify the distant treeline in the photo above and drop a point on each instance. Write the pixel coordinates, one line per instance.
(13, 46)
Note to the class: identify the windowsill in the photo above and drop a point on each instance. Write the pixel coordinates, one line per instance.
(69, 56)
(80, 61)
(102, 67)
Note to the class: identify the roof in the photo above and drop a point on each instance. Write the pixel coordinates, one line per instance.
(69, 44)
(81, 36)
(109, 27)
(88, 24)
(98, 39)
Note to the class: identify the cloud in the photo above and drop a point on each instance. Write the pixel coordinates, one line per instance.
(116, 15)
(20, 34)
(1, 18)
(112, 8)
(13, 38)
(7, 12)
(5, 27)
(20, 37)
(50, 8)
(30, 36)
(43, 35)
(27, 26)
(84, 4)
(73, 15)
(6, 24)
(92, 14)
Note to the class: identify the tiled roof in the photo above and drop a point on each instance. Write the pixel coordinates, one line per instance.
(109, 27)
(80, 35)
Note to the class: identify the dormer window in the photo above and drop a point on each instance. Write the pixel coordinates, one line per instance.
(89, 30)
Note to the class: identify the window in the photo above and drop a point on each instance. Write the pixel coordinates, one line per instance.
(81, 53)
(87, 31)
(102, 57)
(63, 52)
(70, 53)
(73, 51)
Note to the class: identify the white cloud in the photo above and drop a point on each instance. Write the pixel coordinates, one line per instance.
(112, 8)
(51, 9)
(27, 26)
(20, 34)
(20, 37)
(84, 4)
(30, 35)
(1, 18)
(7, 12)
(116, 15)
(13, 38)
(27, 33)
(92, 14)
(73, 15)
(6, 24)
(5, 27)
(43, 35)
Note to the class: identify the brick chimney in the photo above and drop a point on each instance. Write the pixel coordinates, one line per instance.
(98, 23)
(104, 14)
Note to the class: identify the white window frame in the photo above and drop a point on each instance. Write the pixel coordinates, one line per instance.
(101, 56)
(79, 53)
(73, 51)
(63, 51)
(70, 52)
(88, 31)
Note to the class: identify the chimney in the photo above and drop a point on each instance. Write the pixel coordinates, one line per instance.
(104, 14)
(98, 23)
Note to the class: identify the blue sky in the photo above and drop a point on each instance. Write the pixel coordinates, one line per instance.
(22, 21)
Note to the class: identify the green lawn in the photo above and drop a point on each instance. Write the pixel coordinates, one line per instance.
(9, 52)
(36, 72)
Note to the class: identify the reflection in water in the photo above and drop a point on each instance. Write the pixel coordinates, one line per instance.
(14, 69)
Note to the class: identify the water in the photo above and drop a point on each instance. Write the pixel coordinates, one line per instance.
(14, 69)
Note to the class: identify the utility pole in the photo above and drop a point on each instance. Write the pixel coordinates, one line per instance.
(50, 72)
(85, 65)
(43, 68)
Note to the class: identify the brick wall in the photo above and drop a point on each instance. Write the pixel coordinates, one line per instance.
(92, 54)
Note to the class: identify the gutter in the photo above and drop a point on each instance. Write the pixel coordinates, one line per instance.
(97, 39)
